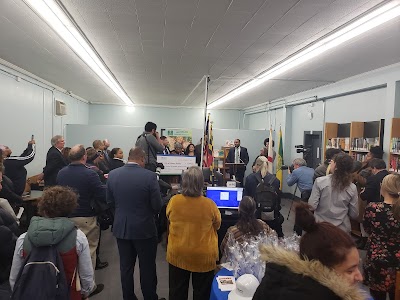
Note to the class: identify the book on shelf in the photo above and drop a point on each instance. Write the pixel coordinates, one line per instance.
(395, 145)
(364, 144)
(339, 143)
(394, 164)
(359, 156)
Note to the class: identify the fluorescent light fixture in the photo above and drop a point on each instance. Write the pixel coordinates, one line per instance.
(375, 18)
(50, 12)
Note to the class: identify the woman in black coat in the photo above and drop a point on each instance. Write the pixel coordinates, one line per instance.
(327, 267)
(116, 158)
(9, 233)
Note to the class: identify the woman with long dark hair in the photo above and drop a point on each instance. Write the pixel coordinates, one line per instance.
(327, 266)
(247, 226)
(334, 197)
(116, 158)
(190, 150)
(382, 223)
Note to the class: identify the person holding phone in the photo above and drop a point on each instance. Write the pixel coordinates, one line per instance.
(15, 165)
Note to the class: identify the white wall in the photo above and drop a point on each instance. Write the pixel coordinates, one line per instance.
(369, 105)
(27, 108)
(162, 116)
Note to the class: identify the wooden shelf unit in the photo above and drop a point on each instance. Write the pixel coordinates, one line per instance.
(394, 155)
(355, 138)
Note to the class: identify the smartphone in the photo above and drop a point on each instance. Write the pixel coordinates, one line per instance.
(32, 137)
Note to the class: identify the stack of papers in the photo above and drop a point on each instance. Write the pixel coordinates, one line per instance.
(226, 283)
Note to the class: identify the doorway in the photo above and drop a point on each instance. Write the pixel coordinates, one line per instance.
(312, 148)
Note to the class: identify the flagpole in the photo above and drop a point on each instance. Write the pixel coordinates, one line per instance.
(207, 80)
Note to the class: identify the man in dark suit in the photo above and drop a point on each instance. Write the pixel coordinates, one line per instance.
(372, 191)
(90, 189)
(135, 193)
(54, 161)
(238, 155)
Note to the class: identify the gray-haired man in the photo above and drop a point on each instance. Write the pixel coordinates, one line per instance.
(303, 176)
(54, 161)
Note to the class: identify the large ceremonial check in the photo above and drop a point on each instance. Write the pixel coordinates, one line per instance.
(175, 164)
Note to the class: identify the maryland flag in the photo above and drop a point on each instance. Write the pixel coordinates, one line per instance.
(207, 157)
(211, 151)
(280, 163)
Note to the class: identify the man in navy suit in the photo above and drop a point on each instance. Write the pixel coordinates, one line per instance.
(238, 155)
(135, 193)
(54, 161)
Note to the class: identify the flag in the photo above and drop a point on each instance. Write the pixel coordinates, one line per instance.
(270, 153)
(211, 151)
(280, 163)
(207, 159)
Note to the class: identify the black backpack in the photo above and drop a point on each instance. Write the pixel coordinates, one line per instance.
(42, 276)
(266, 198)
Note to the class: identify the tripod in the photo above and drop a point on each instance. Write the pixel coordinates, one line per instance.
(291, 205)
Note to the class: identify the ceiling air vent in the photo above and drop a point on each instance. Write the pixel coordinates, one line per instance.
(61, 108)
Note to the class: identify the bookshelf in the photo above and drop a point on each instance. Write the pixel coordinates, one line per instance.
(394, 155)
(337, 136)
(220, 160)
(355, 138)
(364, 135)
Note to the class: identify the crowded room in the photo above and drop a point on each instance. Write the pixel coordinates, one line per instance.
(200, 150)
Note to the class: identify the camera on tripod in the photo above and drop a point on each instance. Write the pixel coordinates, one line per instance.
(302, 149)
(291, 168)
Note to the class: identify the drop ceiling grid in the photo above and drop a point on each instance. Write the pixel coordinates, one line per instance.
(346, 11)
(33, 46)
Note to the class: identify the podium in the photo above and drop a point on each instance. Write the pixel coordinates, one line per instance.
(234, 167)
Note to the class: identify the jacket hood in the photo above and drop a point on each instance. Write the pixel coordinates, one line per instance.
(49, 231)
(313, 269)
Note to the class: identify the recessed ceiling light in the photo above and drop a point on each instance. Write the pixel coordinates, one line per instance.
(371, 20)
(50, 12)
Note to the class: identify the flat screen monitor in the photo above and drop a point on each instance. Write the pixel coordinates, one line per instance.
(225, 197)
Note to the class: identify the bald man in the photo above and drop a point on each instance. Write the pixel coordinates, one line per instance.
(135, 193)
(87, 184)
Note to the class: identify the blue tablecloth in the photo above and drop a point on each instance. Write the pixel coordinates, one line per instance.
(216, 293)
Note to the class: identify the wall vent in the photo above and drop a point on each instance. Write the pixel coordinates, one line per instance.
(61, 108)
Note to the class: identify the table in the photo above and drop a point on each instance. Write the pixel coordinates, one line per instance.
(216, 293)
(30, 206)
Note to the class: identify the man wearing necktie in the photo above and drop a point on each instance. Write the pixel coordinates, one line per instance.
(238, 155)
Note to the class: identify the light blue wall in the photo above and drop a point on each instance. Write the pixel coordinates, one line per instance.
(162, 116)
(27, 108)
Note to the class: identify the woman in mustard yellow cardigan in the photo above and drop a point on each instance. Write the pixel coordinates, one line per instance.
(192, 240)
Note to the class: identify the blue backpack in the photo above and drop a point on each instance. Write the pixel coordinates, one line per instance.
(42, 276)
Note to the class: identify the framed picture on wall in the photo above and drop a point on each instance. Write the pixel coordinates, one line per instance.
(177, 135)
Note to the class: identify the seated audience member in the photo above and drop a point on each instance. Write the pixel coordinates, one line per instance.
(165, 143)
(326, 267)
(322, 170)
(250, 188)
(190, 150)
(116, 158)
(371, 193)
(303, 177)
(102, 162)
(334, 197)
(53, 228)
(382, 223)
(91, 162)
(178, 149)
(192, 242)
(9, 233)
(247, 226)
(14, 166)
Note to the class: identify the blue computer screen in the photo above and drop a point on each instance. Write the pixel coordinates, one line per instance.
(225, 197)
